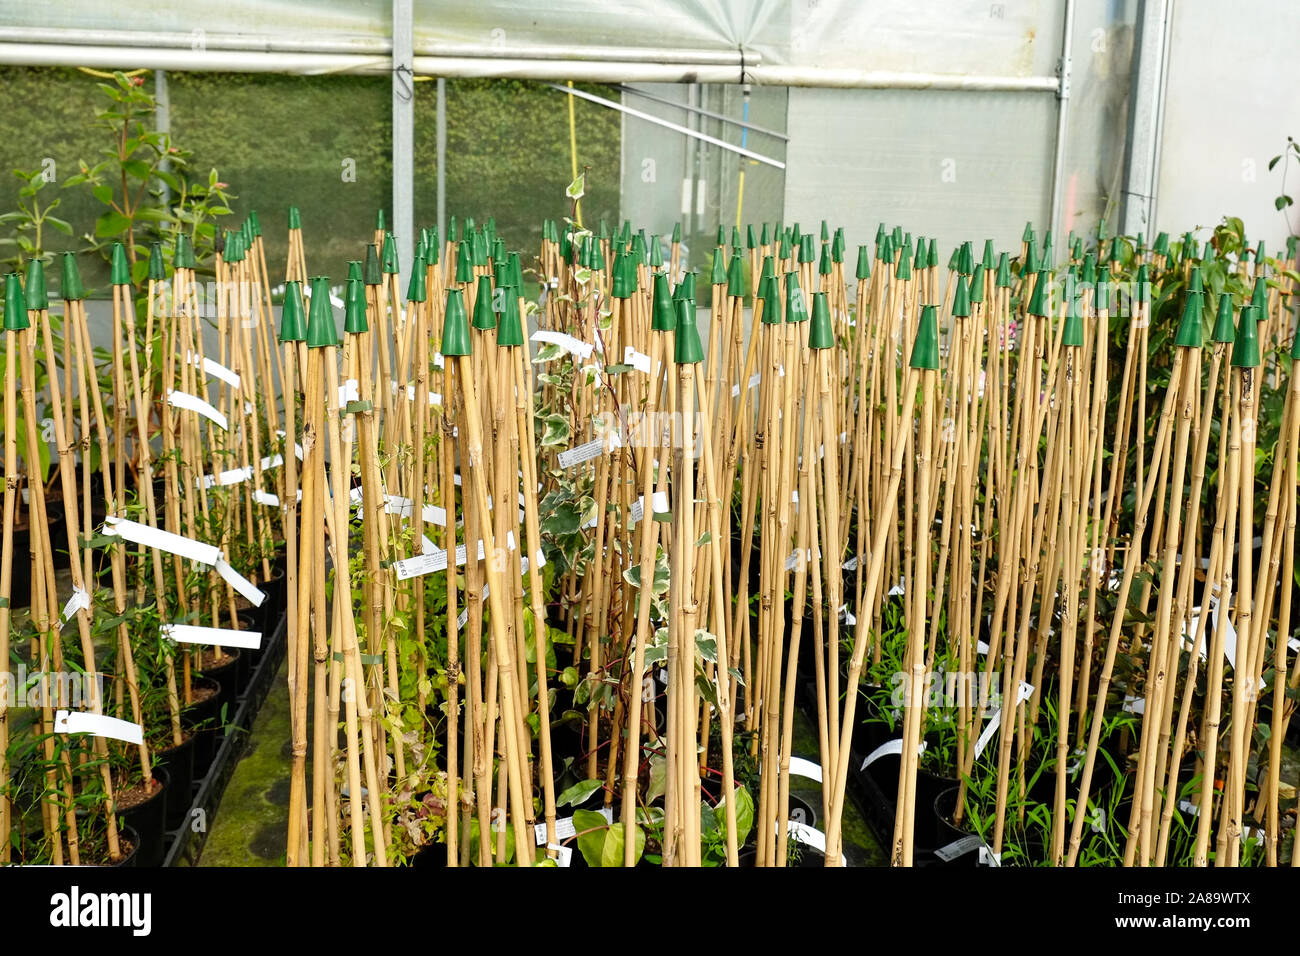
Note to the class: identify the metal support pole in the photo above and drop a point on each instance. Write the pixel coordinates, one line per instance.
(162, 121)
(1142, 154)
(403, 135)
(1062, 116)
(442, 160)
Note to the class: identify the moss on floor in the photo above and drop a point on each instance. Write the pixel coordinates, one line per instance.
(250, 825)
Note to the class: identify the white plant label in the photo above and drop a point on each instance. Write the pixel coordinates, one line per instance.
(80, 600)
(753, 383)
(240, 583)
(995, 720)
(567, 342)
(162, 540)
(215, 636)
(805, 768)
(97, 725)
(564, 828)
(894, 746)
(195, 404)
(588, 450)
(215, 369)
(958, 848)
(638, 360)
(266, 498)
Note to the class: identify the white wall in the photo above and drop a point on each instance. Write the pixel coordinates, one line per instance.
(1230, 103)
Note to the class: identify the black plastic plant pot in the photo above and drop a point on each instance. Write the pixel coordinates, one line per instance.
(268, 615)
(148, 820)
(178, 762)
(20, 583)
(250, 619)
(947, 833)
(801, 811)
(127, 835)
(227, 675)
(808, 857)
(204, 718)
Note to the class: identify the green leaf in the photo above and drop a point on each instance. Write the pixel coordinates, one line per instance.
(611, 853)
(744, 814)
(576, 188)
(658, 777)
(136, 168)
(104, 193)
(578, 793)
(111, 224)
(1281, 202)
(707, 646)
(591, 828)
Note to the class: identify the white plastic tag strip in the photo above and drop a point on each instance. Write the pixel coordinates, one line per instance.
(97, 725)
(805, 768)
(266, 498)
(563, 854)
(658, 501)
(349, 391)
(638, 360)
(564, 828)
(80, 600)
(232, 476)
(995, 720)
(435, 398)
(753, 383)
(215, 636)
(959, 847)
(195, 404)
(215, 369)
(428, 563)
(589, 450)
(162, 540)
(240, 583)
(567, 342)
(809, 836)
(851, 564)
(894, 746)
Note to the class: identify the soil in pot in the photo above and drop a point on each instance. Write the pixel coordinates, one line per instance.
(203, 716)
(179, 764)
(225, 671)
(144, 809)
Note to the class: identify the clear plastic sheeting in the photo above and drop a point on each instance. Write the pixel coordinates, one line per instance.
(974, 43)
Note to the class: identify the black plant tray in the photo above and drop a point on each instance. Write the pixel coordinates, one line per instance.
(185, 843)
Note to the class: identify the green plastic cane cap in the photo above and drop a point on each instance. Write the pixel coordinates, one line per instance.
(989, 261)
(516, 273)
(880, 233)
(234, 251)
(686, 288)
(370, 271)
(37, 296)
(1161, 248)
(796, 236)
(961, 298)
(1195, 285)
(510, 331)
(254, 224)
(1089, 272)
(467, 228)
(293, 322)
(1101, 296)
(922, 254)
(686, 337)
(1047, 260)
(656, 253)
(903, 270)
(484, 316)
(1144, 283)
(820, 335)
(432, 247)
(295, 218)
(1072, 331)
(977, 284)
(1259, 297)
(784, 250)
(380, 225)
(1003, 278)
(452, 234)
(624, 285)
(71, 288)
(639, 247)
(1031, 259)
(721, 239)
(120, 269)
(765, 237)
(416, 290)
(932, 258)
(321, 330)
(796, 307)
(838, 245)
(663, 319)
(826, 232)
(1028, 234)
(1295, 346)
(389, 258)
(824, 263)
(157, 271)
(718, 271)
(498, 250)
(736, 276)
(751, 238)
(954, 258)
(455, 325)
(925, 351)
(966, 261)
(597, 263)
(1189, 327)
(1101, 230)
(896, 237)
(464, 262)
(354, 306)
(677, 233)
(603, 233)
(354, 270)
(885, 251)
(1076, 249)
(1245, 347)
(864, 263)
(807, 251)
(1038, 302)
(15, 308)
(1223, 328)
